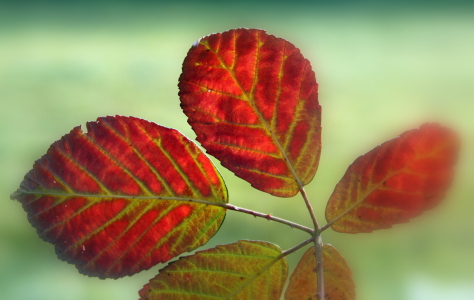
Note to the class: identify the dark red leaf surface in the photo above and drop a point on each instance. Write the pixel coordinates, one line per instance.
(395, 181)
(252, 100)
(114, 200)
(246, 270)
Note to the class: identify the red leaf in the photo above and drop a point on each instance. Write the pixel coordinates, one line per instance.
(252, 100)
(115, 200)
(338, 283)
(394, 182)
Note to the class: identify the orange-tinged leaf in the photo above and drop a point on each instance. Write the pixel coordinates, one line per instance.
(338, 284)
(395, 181)
(115, 201)
(252, 100)
(246, 270)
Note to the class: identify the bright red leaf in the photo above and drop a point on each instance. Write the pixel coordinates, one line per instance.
(252, 100)
(246, 270)
(338, 283)
(395, 181)
(114, 200)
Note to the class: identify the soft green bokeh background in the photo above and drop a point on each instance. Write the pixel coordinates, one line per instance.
(382, 70)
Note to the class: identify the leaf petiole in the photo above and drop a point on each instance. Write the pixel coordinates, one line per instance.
(266, 216)
(297, 247)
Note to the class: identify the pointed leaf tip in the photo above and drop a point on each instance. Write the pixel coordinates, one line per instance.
(252, 100)
(246, 270)
(396, 181)
(115, 201)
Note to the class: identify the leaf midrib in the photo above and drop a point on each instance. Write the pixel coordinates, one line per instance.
(249, 98)
(151, 197)
(376, 186)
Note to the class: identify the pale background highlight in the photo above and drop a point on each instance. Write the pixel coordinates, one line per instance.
(382, 70)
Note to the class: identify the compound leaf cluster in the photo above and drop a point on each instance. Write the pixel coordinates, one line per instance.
(130, 194)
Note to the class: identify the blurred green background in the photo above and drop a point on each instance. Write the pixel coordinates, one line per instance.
(383, 68)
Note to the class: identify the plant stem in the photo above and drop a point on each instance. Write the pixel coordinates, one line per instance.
(318, 252)
(327, 225)
(268, 217)
(310, 208)
(318, 247)
(295, 248)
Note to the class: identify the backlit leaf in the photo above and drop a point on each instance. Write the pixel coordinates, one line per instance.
(395, 181)
(252, 100)
(114, 200)
(338, 284)
(246, 270)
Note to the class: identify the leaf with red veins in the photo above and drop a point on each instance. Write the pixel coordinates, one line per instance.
(252, 100)
(246, 270)
(338, 283)
(394, 182)
(115, 201)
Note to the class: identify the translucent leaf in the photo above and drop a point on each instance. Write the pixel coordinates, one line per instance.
(252, 100)
(338, 284)
(246, 270)
(114, 200)
(395, 181)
